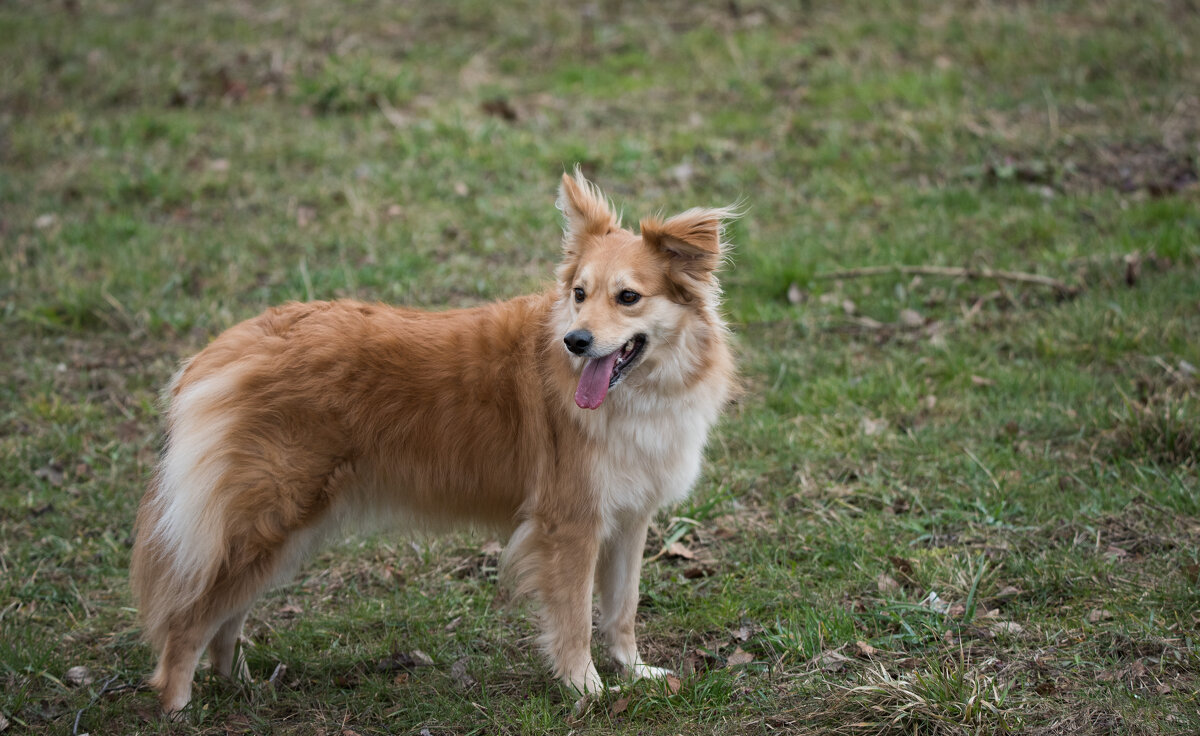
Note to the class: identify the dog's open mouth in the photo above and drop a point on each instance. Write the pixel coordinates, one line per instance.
(601, 374)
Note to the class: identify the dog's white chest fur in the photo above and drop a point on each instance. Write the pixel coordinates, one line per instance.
(651, 452)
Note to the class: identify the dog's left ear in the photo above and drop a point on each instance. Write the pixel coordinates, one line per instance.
(692, 241)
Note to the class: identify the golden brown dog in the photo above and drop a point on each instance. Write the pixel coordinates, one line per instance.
(566, 418)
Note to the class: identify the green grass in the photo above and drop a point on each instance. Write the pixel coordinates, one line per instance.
(168, 169)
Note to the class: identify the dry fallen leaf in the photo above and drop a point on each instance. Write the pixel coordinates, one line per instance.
(911, 318)
(723, 532)
(698, 660)
(981, 381)
(1006, 627)
(678, 549)
(397, 661)
(52, 473)
(492, 548)
(739, 658)
(673, 684)
(462, 679)
(872, 427)
(305, 216)
(1097, 615)
(421, 659)
(618, 707)
(579, 710)
(499, 107)
(1192, 572)
(832, 661)
(902, 566)
(78, 676)
(887, 584)
(864, 649)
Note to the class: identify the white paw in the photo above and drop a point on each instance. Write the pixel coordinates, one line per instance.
(172, 710)
(587, 682)
(643, 671)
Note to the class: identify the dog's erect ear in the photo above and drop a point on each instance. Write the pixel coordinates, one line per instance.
(692, 241)
(586, 210)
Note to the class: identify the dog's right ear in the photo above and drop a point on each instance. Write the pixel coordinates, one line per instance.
(586, 211)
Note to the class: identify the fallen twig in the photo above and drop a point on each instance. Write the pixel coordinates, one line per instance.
(103, 689)
(1059, 287)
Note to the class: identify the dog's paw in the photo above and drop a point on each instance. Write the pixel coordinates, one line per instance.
(172, 711)
(642, 671)
(592, 682)
(587, 681)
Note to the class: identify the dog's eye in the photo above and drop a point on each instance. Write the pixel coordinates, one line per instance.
(579, 295)
(628, 297)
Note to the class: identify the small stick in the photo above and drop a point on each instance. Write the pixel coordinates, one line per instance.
(954, 271)
(79, 714)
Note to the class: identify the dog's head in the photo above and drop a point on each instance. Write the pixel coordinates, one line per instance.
(635, 304)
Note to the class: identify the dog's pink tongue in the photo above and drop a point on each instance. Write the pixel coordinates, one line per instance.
(593, 384)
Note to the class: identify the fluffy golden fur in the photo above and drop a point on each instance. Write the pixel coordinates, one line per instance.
(311, 415)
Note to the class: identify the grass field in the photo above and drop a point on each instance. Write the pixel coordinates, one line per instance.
(947, 504)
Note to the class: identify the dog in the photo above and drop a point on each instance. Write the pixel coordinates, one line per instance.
(565, 418)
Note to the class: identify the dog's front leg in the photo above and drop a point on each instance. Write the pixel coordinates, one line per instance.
(619, 572)
(567, 568)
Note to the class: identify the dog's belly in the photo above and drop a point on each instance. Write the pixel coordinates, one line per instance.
(447, 489)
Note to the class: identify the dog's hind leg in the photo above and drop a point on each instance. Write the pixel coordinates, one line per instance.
(172, 679)
(618, 574)
(223, 654)
(214, 619)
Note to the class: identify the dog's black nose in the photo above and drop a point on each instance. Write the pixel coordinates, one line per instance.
(578, 341)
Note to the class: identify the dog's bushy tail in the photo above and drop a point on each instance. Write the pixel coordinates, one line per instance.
(179, 536)
(519, 562)
(149, 570)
